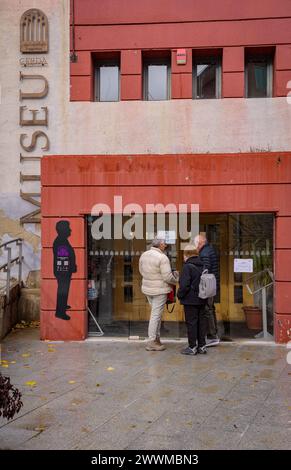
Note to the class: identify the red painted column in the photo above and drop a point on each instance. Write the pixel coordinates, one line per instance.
(181, 79)
(282, 325)
(233, 72)
(81, 81)
(52, 328)
(131, 75)
(282, 70)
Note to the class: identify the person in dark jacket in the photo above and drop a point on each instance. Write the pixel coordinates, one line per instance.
(209, 259)
(194, 307)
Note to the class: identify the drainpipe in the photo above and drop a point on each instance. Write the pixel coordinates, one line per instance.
(73, 55)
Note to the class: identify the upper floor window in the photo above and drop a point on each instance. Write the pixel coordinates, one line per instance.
(258, 76)
(206, 77)
(157, 73)
(107, 81)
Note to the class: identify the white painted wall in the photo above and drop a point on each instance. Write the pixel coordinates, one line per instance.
(177, 126)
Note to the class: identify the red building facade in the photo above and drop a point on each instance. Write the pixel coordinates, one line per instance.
(257, 182)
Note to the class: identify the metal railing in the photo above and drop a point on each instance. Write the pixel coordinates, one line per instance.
(6, 267)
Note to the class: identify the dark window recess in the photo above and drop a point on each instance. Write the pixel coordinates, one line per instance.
(128, 294)
(206, 78)
(238, 277)
(238, 294)
(258, 77)
(157, 80)
(127, 273)
(107, 82)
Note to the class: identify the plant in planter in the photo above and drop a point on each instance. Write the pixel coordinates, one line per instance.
(10, 398)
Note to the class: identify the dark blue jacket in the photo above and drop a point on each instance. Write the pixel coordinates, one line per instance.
(210, 261)
(189, 282)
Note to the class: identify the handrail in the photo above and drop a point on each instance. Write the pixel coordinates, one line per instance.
(263, 334)
(6, 267)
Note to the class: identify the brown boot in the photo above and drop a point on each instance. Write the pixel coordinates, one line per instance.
(158, 340)
(155, 346)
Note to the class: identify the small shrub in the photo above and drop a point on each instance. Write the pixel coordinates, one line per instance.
(10, 398)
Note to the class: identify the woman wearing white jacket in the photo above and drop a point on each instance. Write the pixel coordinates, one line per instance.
(157, 277)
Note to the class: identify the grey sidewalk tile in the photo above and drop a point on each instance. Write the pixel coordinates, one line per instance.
(266, 438)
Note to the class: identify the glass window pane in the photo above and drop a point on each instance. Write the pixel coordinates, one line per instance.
(157, 82)
(206, 81)
(257, 80)
(109, 83)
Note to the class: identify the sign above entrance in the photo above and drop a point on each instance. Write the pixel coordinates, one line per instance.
(243, 265)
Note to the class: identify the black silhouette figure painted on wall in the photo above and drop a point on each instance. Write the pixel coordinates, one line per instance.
(64, 267)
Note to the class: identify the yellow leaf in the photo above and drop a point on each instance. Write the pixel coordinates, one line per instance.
(12, 362)
(25, 355)
(30, 383)
(72, 382)
(4, 362)
(51, 350)
(5, 365)
(110, 368)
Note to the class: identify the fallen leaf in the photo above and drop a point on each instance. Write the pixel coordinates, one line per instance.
(5, 365)
(51, 350)
(110, 368)
(97, 385)
(3, 361)
(31, 383)
(25, 355)
(39, 428)
(12, 362)
(72, 382)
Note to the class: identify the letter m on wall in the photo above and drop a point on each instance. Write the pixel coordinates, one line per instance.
(34, 216)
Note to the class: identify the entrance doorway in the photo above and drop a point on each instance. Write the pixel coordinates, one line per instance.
(122, 310)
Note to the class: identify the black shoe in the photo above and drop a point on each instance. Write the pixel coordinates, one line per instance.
(189, 351)
(63, 316)
(202, 350)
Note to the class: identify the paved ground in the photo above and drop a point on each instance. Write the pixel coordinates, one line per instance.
(104, 395)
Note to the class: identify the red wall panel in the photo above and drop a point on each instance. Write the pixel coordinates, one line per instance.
(48, 231)
(282, 78)
(184, 68)
(52, 328)
(77, 294)
(188, 35)
(81, 88)
(83, 66)
(283, 264)
(233, 84)
(283, 297)
(181, 86)
(151, 11)
(283, 57)
(283, 232)
(47, 259)
(233, 59)
(231, 198)
(184, 170)
(131, 87)
(131, 62)
(282, 327)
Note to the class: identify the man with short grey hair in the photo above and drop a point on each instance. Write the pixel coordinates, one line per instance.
(157, 277)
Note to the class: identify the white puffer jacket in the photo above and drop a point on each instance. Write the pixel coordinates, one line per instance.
(155, 268)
